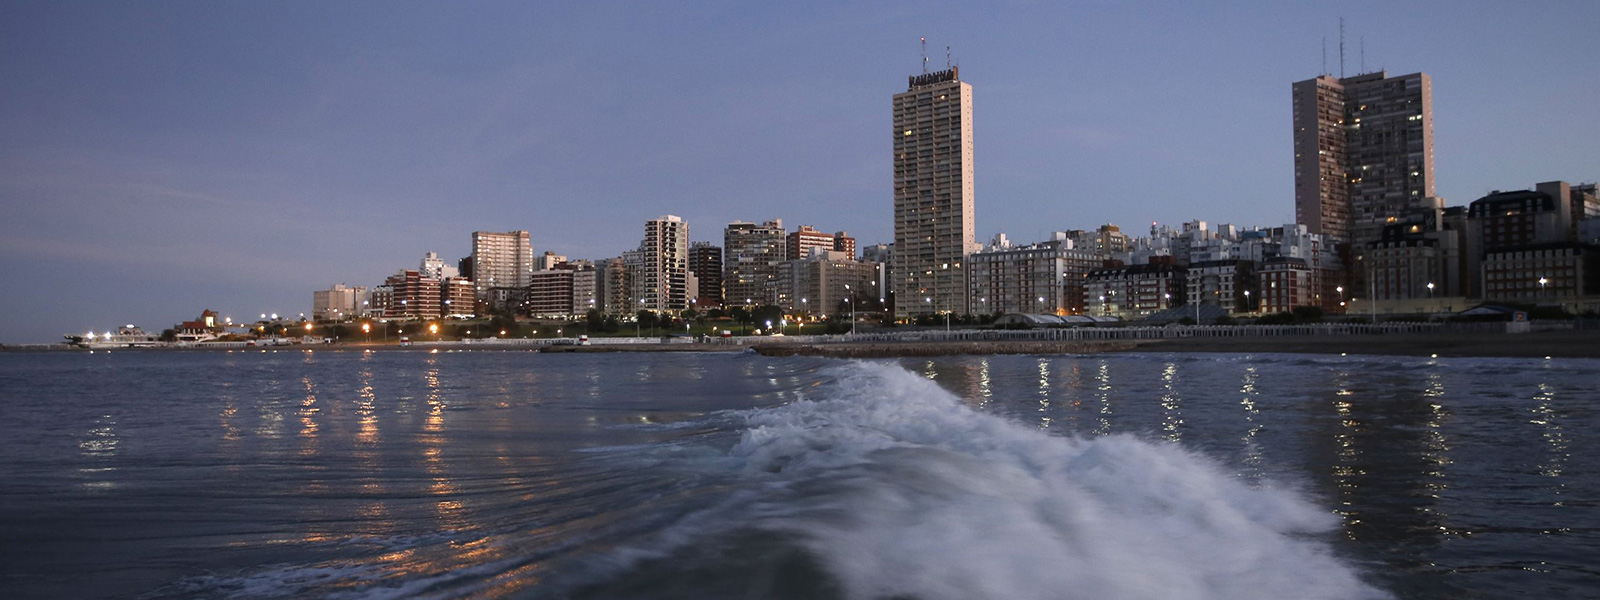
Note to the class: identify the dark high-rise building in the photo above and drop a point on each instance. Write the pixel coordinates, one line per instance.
(1363, 153)
(705, 261)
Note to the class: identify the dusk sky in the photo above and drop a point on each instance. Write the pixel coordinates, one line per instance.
(162, 158)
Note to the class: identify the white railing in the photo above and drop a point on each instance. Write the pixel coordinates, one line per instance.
(1141, 333)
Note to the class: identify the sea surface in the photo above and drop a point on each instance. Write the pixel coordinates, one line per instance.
(409, 474)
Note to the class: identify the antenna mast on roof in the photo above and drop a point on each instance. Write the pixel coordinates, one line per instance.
(1341, 47)
(1363, 54)
(947, 58)
(924, 56)
(1324, 55)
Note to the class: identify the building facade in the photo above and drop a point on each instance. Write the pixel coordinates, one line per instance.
(1221, 283)
(933, 193)
(337, 303)
(1286, 284)
(457, 297)
(501, 260)
(751, 254)
(1042, 278)
(414, 296)
(1134, 291)
(1363, 152)
(562, 293)
(820, 283)
(664, 280)
(705, 262)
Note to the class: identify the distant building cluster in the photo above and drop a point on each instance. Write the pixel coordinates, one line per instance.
(1369, 229)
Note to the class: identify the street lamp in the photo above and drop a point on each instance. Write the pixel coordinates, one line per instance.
(434, 329)
(1430, 290)
(1542, 281)
(850, 299)
(1247, 302)
(366, 331)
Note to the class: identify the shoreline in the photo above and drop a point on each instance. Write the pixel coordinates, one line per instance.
(1553, 344)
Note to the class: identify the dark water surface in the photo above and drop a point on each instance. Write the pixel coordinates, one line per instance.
(512, 474)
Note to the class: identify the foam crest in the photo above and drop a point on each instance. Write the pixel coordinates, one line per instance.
(899, 490)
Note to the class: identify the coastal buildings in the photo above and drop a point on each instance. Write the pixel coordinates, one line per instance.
(1045, 277)
(663, 281)
(1220, 283)
(614, 287)
(751, 254)
(705, 262)
(337, 303)
(500, 260)
(1133, 291)
(821, 282)
(414, 296)
(1363, 152)
(457, 297)
(564, 292)
(1524, 245)
(933, 193)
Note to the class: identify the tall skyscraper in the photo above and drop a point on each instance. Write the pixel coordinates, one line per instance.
(933, 193)
(1363, 153)
(501, 260)
(750, 257)
(664, 282)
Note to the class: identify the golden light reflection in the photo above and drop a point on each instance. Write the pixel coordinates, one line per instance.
(1103, 394)
(1044, 393)
(271, 419)
(1253, 461)
(1345, 454)
(1171, 404)
(1553, 463)
(366, 410)
(100, 444)
(1435, 445)
(449, 509)
(308, 411)
(230, 432)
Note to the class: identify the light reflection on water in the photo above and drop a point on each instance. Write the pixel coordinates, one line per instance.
(1450, 475)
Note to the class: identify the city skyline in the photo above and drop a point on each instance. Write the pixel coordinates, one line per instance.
(236, 158)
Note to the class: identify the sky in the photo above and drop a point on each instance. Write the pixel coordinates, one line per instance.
(162, 158)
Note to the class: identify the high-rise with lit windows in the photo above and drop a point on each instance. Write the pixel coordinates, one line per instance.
(933, 193)
(501, 260)
(1363, 153)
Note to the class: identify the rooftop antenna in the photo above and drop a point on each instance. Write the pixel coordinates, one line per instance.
(1341, 47)
(947, 58)
(1363, 54)
(924, 56)
(1324, 55)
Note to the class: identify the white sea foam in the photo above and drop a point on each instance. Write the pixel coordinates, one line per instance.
(902, 491)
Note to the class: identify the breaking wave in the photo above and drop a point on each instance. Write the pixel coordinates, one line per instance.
(880, 484)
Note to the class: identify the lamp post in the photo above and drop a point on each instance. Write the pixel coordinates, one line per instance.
(1430, 290)
(366, 332)
(851, 300)
(1340, 289)
(1542, 281)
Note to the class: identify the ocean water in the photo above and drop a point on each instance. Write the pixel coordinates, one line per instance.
(394, 474)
